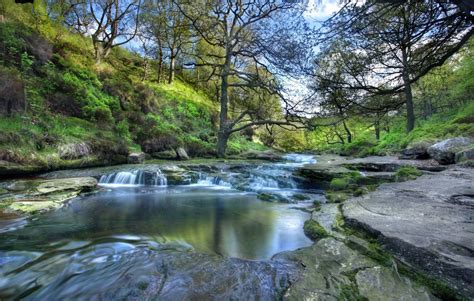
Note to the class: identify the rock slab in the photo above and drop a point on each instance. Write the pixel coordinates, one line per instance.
(427, 223)
(36, 196)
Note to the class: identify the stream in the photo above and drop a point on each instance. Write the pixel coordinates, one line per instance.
(148, 227)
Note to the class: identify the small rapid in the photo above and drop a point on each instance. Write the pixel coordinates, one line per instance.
(134, 178)
(250, 177)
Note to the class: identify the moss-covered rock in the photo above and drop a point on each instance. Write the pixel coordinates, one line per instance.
(314, 230)
(37, 196)
(407, 173)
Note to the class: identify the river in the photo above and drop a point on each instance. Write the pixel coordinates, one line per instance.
(196, 214)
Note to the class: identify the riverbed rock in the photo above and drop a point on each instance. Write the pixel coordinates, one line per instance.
(37, 196)
(426, 223)
(136, 158)
(445, 151)
(127, 272)
(333, 271)
(327, 218)
(181, 154)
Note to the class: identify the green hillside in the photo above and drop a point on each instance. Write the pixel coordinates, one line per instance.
(61, 109)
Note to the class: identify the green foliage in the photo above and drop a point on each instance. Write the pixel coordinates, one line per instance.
(339, 184)
(314, 230)
(239, 143)
(348, 181)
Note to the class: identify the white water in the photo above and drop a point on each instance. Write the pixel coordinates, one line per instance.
(300, 158)
(272, 176)
(205, 180)
(132, 178)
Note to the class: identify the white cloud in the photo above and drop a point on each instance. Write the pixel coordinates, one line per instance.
(321, 10)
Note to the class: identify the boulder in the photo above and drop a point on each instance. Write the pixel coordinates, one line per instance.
(181, 153)
(73, 151)
(464, 155)
(444, 152)
(136, 158)
(416, 151)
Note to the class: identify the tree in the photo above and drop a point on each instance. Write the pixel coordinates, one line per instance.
(391, 46)
(239, 31)
(111, 23)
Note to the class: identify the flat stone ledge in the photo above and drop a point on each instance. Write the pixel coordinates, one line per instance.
(427, 223)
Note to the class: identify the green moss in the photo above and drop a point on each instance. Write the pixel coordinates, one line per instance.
(407, 173)
(314, 230)
(336, 196)
(339, 184)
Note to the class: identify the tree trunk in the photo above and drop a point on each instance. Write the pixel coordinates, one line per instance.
(224, 132)
(408, 93)
(145, 69)
(171, 72)
(348, 132)
(410, 110)
(377, 130)
(222, 138)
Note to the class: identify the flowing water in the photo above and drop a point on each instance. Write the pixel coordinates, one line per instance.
(139, 211)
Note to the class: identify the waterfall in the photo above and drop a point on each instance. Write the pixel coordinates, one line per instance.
(134, 178)
(205, 180)
(160, 179)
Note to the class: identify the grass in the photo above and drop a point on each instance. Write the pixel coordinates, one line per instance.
(407, 173)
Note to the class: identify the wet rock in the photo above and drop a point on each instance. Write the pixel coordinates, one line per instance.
(445, 151)
(125, 272)
(327, 218)
(331, 271)
(136, 158)
(181, 154)
(38, 196)
(426, 223)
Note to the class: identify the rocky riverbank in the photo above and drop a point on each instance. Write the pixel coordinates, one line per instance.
(408, 240)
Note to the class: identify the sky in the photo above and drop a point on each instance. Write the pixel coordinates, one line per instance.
(321, 10)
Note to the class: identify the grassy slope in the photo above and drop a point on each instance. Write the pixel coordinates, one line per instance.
(108, 106)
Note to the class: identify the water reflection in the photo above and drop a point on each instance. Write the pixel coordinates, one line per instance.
(225, 222)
